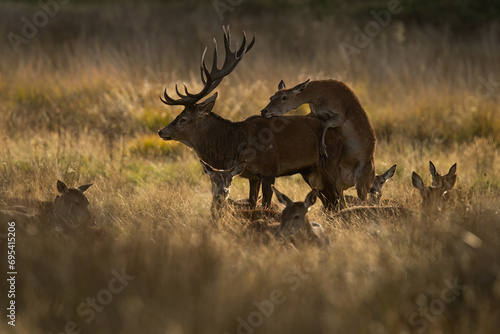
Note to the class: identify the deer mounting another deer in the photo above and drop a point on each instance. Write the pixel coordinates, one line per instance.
(337, 107)
(69, 211)
(271, 147)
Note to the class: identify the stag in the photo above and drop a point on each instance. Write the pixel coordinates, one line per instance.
(272, 147)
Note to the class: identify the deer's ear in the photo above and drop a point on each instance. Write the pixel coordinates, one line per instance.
(62, 187)
(417, 182)
(390, 173)
(449, 182)
(300, 87)
(238, 169)
(281, 197)
(84, 187)
(433, 170)
(281, 85)
(209, 170)
(453, 169)
(207, 105)
(311, 198)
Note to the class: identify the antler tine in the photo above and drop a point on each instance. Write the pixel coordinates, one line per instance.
(211, 79)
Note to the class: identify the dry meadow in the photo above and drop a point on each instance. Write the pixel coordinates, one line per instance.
(80, 103)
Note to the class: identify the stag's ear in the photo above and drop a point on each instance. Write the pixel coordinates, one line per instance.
(300, 87)
(390, 173)
(417, 182)
(209, 170)
(62, 187)
(238, 169)
(281, 197)
(207, 105)
(452, 170)
(84, 187)
(281, 85)
(311, 198)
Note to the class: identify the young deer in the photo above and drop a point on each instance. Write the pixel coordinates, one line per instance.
(294, 222)
(432, 196)
(68, 211)
(338, 107)
(376, 189)
(438, 179)
(271, 147)
(221, 180)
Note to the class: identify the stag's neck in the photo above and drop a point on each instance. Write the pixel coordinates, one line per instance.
(218, 142)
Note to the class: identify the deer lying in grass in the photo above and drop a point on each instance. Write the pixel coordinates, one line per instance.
(221, 185)
(376, 189)
(433, 196)
(271, 147)
(338, 107)
(294, 225)
(68, 212)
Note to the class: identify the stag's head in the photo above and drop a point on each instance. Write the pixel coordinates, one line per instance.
(187, 122)
(221, 182)
(284, 100)
(376, 189)
(71, 205)
(432, 196)
(293, 218)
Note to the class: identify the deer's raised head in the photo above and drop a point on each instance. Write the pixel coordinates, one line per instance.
(376, 189)
(186, 122)
(293, 218)
(284, 100)
(432, 196)
(221, 182)
(437, 179)
(71, 205)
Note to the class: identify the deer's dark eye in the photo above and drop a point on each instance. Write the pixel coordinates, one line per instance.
(284, 98)
(182, 121)
(296, 217)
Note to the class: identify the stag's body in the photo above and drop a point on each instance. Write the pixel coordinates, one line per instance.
(338, 107)
(291, 148)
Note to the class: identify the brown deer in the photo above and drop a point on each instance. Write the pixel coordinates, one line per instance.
(68, 212)
(376, 189)
(221, 180)
(294, 222)
(432, 196)
(438, 179)
(338, 107)
(271, 147)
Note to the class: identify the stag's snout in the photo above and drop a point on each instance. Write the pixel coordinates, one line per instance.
(163, 134)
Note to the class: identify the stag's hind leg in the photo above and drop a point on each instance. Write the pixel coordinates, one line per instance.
(254, 193)
(267, 191)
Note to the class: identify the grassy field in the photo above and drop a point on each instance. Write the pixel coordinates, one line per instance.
(79, 102)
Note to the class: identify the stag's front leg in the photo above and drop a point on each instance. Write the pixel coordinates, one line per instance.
(333, 122)
(267, 191)
(254, 193)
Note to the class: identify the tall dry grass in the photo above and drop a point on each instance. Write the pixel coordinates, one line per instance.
(80, 103)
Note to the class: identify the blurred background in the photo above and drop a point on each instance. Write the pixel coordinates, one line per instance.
(79, 101)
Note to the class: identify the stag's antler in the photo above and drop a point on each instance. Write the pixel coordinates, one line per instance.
(211, 79)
